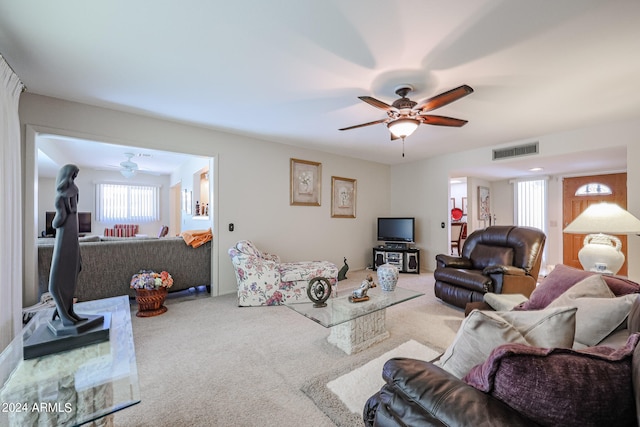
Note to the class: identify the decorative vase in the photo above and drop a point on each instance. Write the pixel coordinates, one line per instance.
(150, 302)
(601, 253)
(388, 277)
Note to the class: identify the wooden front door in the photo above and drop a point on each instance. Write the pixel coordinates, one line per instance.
(574, 205)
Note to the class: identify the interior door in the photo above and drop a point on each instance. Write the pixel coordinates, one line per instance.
(573, 205)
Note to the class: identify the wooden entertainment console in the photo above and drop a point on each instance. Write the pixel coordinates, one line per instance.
(406, 259)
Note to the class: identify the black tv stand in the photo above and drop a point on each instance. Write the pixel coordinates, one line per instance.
(406, 259)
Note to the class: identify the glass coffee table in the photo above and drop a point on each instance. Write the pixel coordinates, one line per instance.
(356, 326)
(76, 386)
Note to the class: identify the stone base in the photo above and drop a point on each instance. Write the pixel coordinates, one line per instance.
(360, 333)
(44, 342)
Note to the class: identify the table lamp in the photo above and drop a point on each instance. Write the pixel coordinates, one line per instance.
(602, 252)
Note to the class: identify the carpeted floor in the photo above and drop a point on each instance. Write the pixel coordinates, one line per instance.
(208, 362)
(341, 396)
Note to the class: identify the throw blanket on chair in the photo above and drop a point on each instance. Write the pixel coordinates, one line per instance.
(196, 238)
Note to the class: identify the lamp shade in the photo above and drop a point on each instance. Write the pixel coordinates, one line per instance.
(604, 218)
(403, 127)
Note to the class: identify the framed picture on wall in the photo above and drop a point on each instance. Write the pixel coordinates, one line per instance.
(483, 203)
(464, 206)
(306, 182)
(343, 197)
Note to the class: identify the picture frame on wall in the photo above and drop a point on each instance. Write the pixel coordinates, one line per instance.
(306, 182)
(464, 206)
(483, 203)
(343, 197)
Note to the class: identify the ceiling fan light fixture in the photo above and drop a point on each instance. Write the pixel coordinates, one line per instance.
(128, 173)
(403, 127)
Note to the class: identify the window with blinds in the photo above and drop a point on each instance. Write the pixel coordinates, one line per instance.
(127, 203)
(531, 203)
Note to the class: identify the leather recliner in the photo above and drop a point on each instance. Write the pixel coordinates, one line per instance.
(498, 259)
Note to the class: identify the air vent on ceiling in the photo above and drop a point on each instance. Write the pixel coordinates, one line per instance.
(519, 150)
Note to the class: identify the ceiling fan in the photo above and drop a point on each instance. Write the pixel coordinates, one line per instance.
(404, 115)
(129, 168)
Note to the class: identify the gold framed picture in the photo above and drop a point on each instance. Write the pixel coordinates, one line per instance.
(306, 182)
(343, 197)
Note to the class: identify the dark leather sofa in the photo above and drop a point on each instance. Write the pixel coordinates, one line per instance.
(418, 393)
(498, 259)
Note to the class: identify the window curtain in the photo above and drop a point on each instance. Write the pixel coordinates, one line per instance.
(10, 206)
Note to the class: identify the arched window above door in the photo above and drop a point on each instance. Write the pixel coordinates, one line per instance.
(594, 189)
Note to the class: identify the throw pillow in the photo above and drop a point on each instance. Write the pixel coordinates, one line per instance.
(562, 387)
(562, 277)
(484, 256)
(599, 312)
(482, 331)
(503, 302)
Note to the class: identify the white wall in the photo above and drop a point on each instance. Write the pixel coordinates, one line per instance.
(429, 182)
(253, 185)
(86, 181)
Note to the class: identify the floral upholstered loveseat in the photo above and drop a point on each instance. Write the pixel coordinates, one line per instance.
(264, 280)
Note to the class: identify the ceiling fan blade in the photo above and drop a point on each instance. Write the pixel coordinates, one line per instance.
(365, 124)
(377, 103)
(445, 98)
(393, 137)
(442, 120)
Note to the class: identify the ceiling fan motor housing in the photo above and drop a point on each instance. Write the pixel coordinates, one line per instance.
(404, 102)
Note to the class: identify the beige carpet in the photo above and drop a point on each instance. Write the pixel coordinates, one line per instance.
(342, 396)
(208, 362)
(354, 388)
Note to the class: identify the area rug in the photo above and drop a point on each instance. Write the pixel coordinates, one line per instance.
(342, 395)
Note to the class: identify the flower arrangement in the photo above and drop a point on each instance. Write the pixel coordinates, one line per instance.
(147, 279)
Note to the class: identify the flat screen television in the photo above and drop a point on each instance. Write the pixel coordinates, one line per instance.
(396, 229)
(84, 223)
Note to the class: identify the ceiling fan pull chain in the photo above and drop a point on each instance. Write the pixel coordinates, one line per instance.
(403, 146)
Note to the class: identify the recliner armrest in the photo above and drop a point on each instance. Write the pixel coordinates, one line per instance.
(453, 262)
(421, 393)
(504, 269)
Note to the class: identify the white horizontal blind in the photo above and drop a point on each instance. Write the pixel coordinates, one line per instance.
(122, 202)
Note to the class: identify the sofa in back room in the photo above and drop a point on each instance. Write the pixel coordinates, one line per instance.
(109, 263)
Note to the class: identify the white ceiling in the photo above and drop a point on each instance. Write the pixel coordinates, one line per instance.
(55, 151)
(290, 71)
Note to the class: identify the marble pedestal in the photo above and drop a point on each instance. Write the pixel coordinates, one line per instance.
(360, 333)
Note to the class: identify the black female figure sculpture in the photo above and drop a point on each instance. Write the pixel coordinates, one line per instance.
(71, 330)
(66, 262)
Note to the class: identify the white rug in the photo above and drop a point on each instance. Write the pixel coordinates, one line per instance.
(355, 387)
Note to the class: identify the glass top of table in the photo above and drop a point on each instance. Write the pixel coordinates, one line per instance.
(76, 386)
(340, 309)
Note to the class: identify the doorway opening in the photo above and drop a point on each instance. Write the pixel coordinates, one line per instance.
(173, 216)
